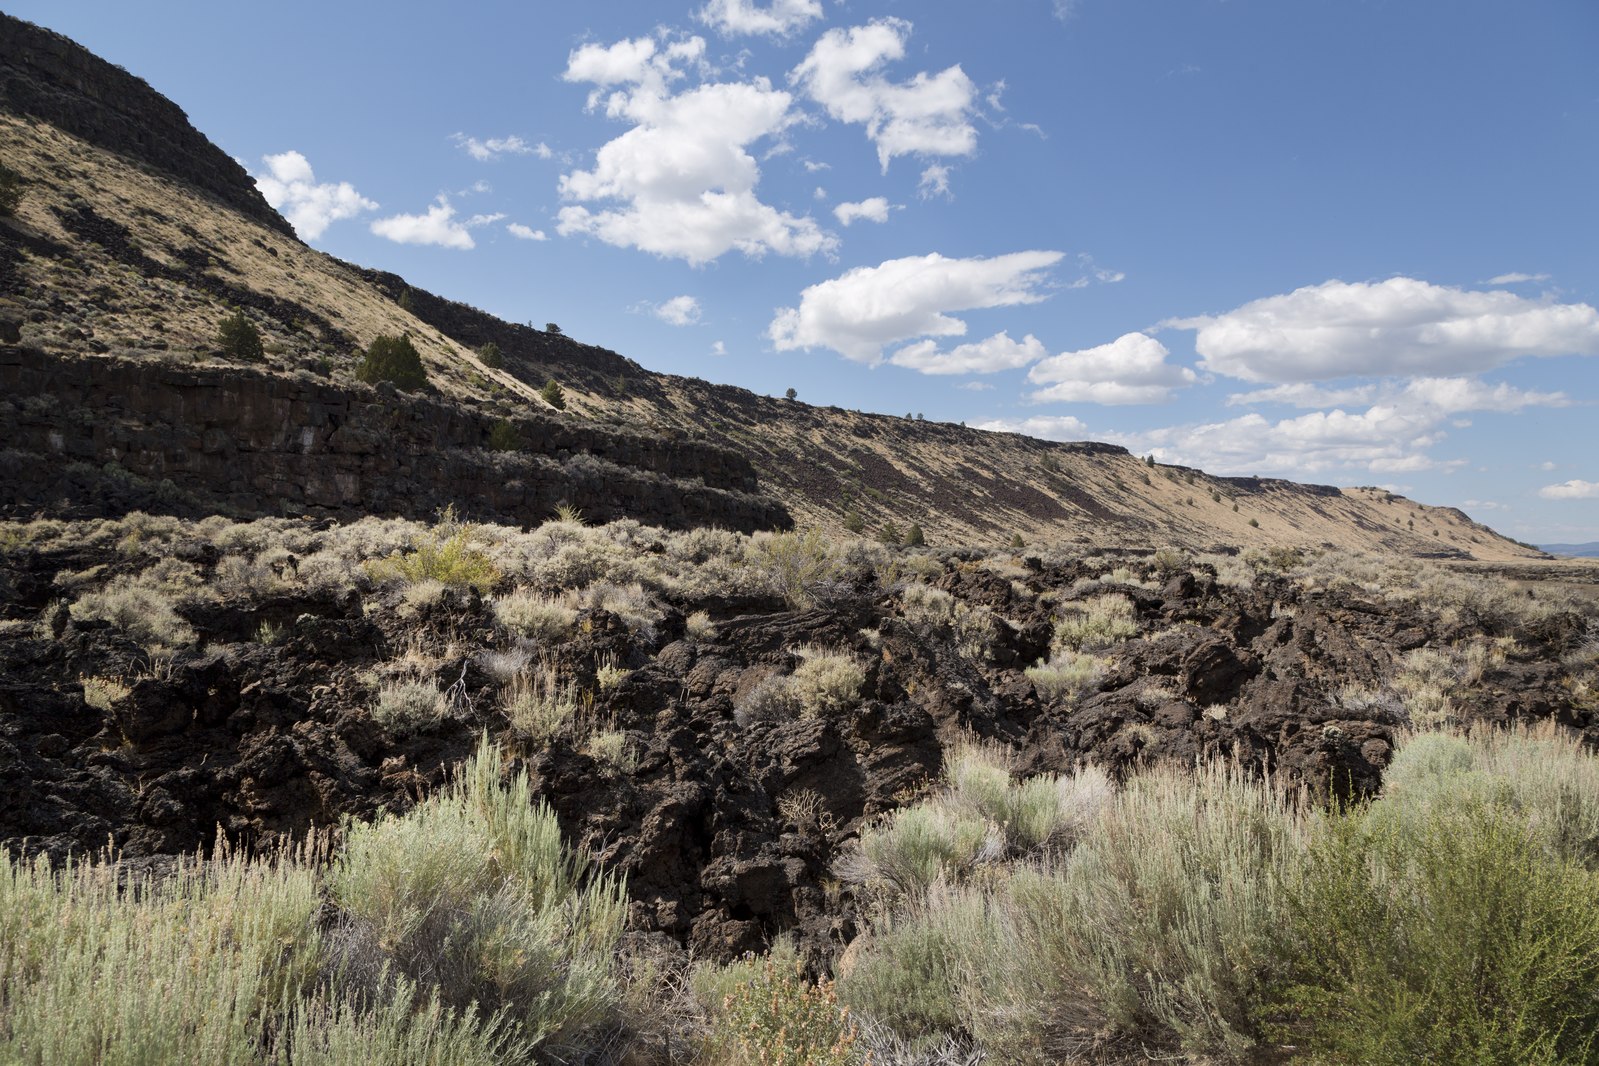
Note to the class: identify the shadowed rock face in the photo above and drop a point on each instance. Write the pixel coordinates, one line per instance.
(727, 830)
(45, 76)
(249, 442)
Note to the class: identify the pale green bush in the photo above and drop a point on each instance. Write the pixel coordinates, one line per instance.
(793, 565)
(826, 682)
(770, 698)
(473, 895)
(1067, 677)
(404, 706)
(540, 706)
(1089, 625)
(185, 969)
(145, 614)
(529, 614)
(912, 848)
(338, 1033)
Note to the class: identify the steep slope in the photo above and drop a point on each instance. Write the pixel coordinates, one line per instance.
(130, 247)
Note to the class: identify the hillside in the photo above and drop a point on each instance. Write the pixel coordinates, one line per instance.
(127, 251)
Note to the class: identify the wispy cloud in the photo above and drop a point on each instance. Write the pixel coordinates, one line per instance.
(525, 233)
(494, 147)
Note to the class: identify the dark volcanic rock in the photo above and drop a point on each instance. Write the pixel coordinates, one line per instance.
(727, 833)
(257, 443)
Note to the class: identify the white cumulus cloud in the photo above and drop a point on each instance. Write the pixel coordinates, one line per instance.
(780, 18)
(678, 311)
(437, 225)
(996, 353)
(1130, 369)
(860, 312)
(290, 186)
(1401, 326)
(494, 147)
(1575, 489)
(928, 115)
(873, 209)
(526, 233)
(1397, 433)
(680, 183)
(1044, 427)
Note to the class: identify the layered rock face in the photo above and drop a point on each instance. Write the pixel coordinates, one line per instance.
(251, 442)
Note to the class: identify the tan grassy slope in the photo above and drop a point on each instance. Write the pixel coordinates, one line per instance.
(93, 220)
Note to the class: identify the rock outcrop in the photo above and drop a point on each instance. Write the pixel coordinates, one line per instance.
(252, 443)
(48, 77)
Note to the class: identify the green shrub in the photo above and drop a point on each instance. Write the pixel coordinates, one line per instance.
(393, 359)
(504, 437)
(540, 707)
(1164, 927)
(448, 557)
(769, 1014)
(239, 339)
(490, 356)
(914, 847)
(397, 1033)
(180, 969)
(1452, 936)
(914, 538)
(553, 394)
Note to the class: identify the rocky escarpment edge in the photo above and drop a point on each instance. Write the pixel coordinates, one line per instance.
(252, 442)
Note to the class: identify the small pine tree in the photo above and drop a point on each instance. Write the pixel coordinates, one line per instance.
(407, 302)
(1149, 460)
(503, 437)
(914, 537)
(392, 359)
(1016, 541)
(853, 521)
(10, 191)
(554, 395)
(551, 327)
(890, 533)
(489, 355)
(239, 338)
(790, 394)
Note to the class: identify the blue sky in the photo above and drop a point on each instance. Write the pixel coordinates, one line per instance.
(1344, 241)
